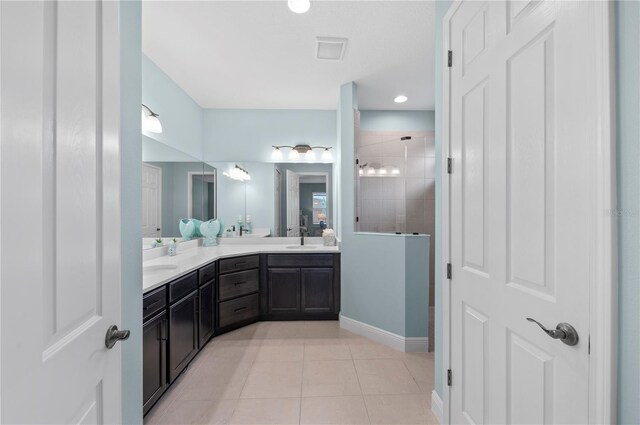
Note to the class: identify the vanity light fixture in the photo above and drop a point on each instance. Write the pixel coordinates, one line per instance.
(299, 6)
(305, 152)
(238, 173)
(150, 121)
(276, 155)
(401, 99)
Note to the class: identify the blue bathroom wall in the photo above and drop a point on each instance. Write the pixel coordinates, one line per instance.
(628, 211)
(180, 115)
(442, 6)
(374, 271)
(131, 207)
(397, 120)
(416, 268)
(248, 134)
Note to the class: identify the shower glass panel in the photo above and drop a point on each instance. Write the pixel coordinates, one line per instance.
(395, 182)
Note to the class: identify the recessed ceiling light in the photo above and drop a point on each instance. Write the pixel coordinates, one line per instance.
(401, 99)
(299, 6)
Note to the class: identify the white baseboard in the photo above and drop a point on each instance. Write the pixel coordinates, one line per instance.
(400, 343)
(436, 406)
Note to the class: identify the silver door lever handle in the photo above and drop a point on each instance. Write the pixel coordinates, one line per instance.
(114, 335)
(563, 331)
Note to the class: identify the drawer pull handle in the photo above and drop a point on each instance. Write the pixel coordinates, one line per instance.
(240, 283)
(240, 263)
(150, 306)
(239, 309)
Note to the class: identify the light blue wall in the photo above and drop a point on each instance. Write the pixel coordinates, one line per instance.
(628, 163)
(441, 9)
(397, 120)
(181, 117)
(131, 205)
(375, 266)
(248, 134)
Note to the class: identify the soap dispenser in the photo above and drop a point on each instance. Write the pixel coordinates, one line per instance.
(247, 225)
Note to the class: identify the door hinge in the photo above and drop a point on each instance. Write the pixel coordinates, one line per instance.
(449, 165)
(357, 161)
(449, 377)
(449, 271)
(449, 58)
(357, 219)
(589, 346)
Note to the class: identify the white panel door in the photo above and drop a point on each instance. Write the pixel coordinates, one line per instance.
(293, 204)
(523, 138)
(60, 197)
(151, 201)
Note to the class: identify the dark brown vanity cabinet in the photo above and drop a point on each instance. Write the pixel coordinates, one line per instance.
(303, 285)
(183, 323)
(154, 347)
(206, 303)
(238, 288)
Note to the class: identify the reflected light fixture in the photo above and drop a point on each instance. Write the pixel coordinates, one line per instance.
(238, 173)
(395, 171)
(401, 99)
(305, 152)
(299, 6)
(150, 121)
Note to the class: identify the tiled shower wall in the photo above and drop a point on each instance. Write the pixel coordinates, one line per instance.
(404, 202)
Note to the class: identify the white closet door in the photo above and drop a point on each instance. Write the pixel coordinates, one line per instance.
(151, 201)
(524, 135)
(293, 204)
(60, 197)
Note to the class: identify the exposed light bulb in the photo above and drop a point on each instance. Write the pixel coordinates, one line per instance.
(327, 155)
(383, 171)
(294, 155)
(361, 171)
(276, 155)
(310, 156)
(299, 6)
(371, 171)
(401, 99)
(395, 171)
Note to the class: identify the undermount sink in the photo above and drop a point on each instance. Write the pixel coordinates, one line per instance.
(301, 247)
(160, 268)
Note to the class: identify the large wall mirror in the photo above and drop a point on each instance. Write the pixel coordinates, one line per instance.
(174, 186)
(285, 199)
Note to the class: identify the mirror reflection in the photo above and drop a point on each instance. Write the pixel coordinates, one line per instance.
(174, 186)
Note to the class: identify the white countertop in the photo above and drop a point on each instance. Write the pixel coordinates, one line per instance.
(158, 268)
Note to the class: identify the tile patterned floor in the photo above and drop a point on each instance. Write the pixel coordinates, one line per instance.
(299, 373)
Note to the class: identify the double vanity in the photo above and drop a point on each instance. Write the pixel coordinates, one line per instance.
(203, 292)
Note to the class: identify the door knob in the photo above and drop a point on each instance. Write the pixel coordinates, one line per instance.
(114, 335)
(563, 331)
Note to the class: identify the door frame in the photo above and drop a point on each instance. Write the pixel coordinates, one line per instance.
(603, 309)
(326, 183)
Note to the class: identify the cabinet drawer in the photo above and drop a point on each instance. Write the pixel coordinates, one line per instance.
(300, 260)
(181, 287)
(237, 310)
(235, 284)
(241, 263)
(207, 273)
(154, 302)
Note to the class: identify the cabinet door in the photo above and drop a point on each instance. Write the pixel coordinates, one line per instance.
(154, 360)
(206, 300)
(284, 290)
(317, 290)
(183, 334)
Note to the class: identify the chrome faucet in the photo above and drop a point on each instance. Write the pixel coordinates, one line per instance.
(241, 229)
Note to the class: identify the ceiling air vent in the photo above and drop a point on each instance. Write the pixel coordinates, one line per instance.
(331, 48)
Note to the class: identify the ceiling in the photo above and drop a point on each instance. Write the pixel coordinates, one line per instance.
(260, 55)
